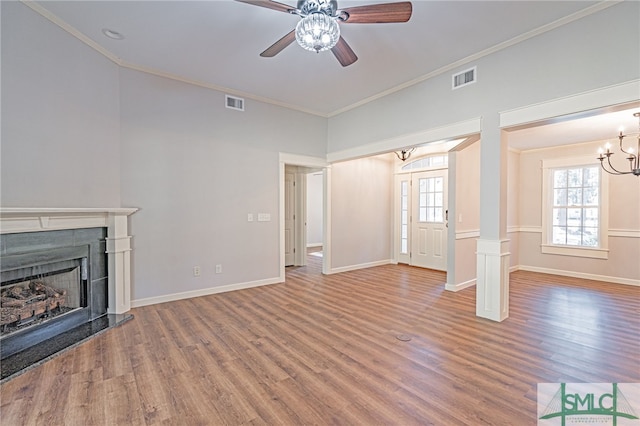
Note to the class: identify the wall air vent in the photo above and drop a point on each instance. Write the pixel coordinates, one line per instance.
(232, 102)
(464, 78)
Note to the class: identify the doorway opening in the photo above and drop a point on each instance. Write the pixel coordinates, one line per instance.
(303, 213)
(303, 210)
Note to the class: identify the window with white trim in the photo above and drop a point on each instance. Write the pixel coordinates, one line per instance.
(575, 208)
(433, 161)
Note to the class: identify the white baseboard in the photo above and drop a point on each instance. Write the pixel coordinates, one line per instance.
(309, 245)
(203, 292)
(573, 274)
(460, 286)
(449, 287)
(360, 266)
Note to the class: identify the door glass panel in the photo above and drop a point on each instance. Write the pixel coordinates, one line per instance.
(404, 217)
(423, 214)
(431, 203)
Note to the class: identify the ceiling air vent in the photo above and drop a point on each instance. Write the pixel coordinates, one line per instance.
(232, 102)
(464, 78)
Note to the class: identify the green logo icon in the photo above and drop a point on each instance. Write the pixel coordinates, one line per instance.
(585, 402)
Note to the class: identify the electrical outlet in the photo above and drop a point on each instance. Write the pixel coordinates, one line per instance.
(250, 217)
(196, 271)
(218, 269)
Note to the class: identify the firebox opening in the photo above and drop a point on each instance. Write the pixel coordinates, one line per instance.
(32, 300)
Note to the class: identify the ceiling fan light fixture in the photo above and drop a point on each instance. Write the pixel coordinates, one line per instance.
(317, 32)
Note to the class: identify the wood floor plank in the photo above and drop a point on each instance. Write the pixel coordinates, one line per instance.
(324, 350)
(122, 402)
(86, 404)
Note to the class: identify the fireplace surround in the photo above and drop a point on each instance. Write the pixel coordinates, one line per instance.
(90, 246)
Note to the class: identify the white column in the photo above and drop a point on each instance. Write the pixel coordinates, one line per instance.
(492, 285)
(119, 258)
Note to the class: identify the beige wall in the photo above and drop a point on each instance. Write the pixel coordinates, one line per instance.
(467, 207)
(361, 212)
(513, 206)
(468, 189)
(624, 203)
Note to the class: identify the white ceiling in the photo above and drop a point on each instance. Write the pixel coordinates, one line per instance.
(217, 44)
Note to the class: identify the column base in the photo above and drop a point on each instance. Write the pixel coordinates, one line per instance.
(492, 285)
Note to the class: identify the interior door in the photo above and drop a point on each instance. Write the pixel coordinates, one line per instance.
(289, 215)
(429, 219)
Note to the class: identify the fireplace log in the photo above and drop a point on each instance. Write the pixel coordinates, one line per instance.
(8, 302)
(16, 292)
(8, 316)
(22, 302)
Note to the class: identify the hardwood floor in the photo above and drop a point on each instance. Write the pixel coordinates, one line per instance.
(325, 350)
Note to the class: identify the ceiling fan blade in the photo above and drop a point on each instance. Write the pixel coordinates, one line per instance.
(270, 5)
(379, 13)
(279, 45)
(344, 53)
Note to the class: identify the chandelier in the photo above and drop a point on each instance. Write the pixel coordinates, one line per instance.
(317, 32)
(633, 156)
(404, 154)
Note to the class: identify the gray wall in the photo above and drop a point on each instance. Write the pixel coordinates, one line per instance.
(196, 169)
(77, 131)
(593, 52)
(60, 117)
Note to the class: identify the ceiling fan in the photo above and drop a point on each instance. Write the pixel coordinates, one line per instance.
(318, 30)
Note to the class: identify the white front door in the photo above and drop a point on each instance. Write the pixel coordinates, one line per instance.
(289, 215)
(429, 219)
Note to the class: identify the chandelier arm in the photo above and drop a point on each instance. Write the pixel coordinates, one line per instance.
(605, 169)
(617, 172)
(622, 147)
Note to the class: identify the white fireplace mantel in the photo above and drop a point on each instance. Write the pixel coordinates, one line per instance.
(33, 219)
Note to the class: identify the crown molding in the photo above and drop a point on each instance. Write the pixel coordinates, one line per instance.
(476, 56)
(118, 61)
